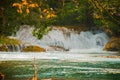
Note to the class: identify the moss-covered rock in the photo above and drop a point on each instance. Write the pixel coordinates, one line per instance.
(113, 44)
(33, 49)
(5, 41)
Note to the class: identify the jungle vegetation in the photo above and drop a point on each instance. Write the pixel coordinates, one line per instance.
(103, 14)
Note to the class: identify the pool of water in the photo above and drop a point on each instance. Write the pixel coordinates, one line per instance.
(61, 65)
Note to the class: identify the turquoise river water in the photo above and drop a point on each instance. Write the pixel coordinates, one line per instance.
(61, 65)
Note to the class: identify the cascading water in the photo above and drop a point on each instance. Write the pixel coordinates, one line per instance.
(15, 47)
(63, 37)
(69, 65)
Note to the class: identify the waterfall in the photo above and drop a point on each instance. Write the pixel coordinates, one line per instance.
(15, 47)
(63, 37)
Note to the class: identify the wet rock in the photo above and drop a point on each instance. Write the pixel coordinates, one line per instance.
(113, 44)
(57, 48)
(32, 48)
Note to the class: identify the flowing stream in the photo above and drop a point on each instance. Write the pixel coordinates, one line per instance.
(85, 59)
(61, 65)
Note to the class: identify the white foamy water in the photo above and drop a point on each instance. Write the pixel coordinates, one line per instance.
(70, 56)
(65, 38)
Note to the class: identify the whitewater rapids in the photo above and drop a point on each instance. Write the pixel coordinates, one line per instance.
(65, 38)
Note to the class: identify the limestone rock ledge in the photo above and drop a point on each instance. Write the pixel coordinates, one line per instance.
(33, 48)
(113, 44)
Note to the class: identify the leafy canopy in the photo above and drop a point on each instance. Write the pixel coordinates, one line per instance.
(43, 13)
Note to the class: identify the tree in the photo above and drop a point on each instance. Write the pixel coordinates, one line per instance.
(43, 13)
(14, 13)
(7, 17)
(108, 13)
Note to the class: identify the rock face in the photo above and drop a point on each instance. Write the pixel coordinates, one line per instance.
(113, 44)
(33, 49)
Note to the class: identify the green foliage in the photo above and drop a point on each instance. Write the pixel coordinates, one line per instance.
(39, 32)
(66, 14)
(41, 27)
(40, 17)
(5, 41)
(77, 12)
(8, 17)
(107, 14)
(89, 13)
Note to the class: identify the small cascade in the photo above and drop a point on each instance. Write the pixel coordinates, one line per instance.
(63, 37)
(15, 48)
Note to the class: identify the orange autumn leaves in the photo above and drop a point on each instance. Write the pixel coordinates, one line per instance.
(24, 5)
(48, 13)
